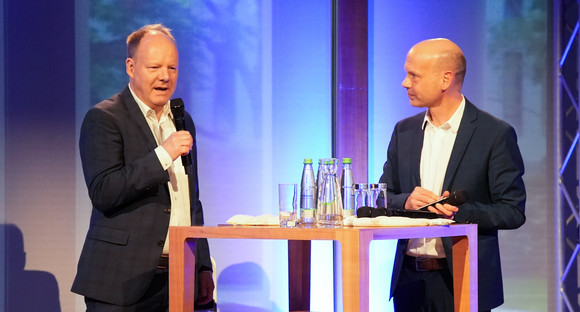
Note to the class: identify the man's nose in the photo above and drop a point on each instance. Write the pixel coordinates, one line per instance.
(164, 74)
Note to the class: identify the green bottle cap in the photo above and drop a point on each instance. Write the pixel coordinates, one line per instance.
(307, 160)
(347, 161)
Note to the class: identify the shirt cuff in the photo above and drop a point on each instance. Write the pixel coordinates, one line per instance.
(164, 158)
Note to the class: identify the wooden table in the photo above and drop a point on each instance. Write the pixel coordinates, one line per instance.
(355, 243)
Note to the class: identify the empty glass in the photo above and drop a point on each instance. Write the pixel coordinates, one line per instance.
(361, 195)
(287, 204)
(382, 195)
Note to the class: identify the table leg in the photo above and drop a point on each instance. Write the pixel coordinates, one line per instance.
(181, 272)
(299, 274)
(465, 273)
(355, 271)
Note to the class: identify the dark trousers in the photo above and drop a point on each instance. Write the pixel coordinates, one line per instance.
(156, 299)
(430, 291)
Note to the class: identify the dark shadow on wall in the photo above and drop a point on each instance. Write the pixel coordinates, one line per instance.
(26, 290)
(244, 287)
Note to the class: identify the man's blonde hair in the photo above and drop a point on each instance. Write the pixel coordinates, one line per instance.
(135, 37)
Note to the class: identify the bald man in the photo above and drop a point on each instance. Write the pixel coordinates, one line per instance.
(451, 146)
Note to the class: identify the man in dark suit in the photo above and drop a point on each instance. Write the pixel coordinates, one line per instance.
(130, 152)
(452, 146)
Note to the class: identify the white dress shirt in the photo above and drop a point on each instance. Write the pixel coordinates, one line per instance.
(437, 146)
(178, 183)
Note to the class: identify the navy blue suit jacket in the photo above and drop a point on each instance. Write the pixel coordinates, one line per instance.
(487, 164)
(131, 204)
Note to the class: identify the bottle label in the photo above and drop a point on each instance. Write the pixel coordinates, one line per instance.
(307, 201)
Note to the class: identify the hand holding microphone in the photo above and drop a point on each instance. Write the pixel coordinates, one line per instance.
(178, 111)
(178, 144)
(455, 199)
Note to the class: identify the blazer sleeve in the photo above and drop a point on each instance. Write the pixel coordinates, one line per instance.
(503, 206)
(118, 168)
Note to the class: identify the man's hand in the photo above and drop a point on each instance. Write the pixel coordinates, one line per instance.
(178, 144)
(446, 209)
(419, 198)
(205, 287)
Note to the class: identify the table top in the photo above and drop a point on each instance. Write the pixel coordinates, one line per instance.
(305, 233)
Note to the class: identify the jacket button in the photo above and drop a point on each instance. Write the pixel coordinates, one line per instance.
(160, 243)
(167, 210)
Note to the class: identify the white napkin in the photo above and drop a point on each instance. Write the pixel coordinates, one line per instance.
(266, 219)
(393, 221)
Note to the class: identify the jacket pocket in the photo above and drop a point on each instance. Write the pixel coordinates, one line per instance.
(113, 236)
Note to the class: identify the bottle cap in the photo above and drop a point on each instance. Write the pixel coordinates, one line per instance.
(308, 160)
(347, 161)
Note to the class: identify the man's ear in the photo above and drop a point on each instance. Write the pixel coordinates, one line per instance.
(130, 67)
(448, 77)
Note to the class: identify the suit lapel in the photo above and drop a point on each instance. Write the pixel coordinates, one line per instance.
(415, 153)
(137, 118)
(466, 129)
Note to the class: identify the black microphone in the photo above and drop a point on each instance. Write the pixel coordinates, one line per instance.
(456, 198)
(178, 111)
(370, 212)
(364, 212)
(377, 212)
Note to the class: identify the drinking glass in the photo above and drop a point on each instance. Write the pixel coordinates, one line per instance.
(287, 194)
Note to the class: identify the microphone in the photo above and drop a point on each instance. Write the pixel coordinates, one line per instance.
(178, 111)
(370, 212)
(456, 198)
(364, 212)
(377, 212)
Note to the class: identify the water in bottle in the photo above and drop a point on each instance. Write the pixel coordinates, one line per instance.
(347, 186)
(329, 208)
(319, 179)
(308, 194)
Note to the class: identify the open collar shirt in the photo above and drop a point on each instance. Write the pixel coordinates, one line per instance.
(178, 183)
(437, 146)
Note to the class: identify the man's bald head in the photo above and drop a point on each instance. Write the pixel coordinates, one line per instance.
(444, 54)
